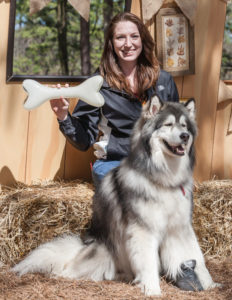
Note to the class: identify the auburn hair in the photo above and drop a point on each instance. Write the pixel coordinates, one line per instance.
(147, 64)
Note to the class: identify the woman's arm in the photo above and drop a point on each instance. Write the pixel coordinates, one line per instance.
(81, 128)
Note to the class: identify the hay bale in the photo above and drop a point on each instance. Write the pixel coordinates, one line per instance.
(30, 215)
(212, 218)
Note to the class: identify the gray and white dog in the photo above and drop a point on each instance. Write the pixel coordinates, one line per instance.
(141, 224)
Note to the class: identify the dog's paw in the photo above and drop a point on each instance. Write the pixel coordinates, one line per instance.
(149, 289)
(215, 285)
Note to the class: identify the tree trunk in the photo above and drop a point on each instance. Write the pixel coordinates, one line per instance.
(85, 48)
(62, 35)
(107, 13)
(128, 5)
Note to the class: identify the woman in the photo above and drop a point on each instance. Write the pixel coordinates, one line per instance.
(130, 71)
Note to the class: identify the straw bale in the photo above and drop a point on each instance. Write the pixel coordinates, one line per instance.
(212, 218)
(30, 215)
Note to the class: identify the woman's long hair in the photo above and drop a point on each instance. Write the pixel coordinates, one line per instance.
(147, 65)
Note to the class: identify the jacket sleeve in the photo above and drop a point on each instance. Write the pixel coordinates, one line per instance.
(166, 88)
(81, 128)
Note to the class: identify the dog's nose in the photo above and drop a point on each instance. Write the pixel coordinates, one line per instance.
(184, 136)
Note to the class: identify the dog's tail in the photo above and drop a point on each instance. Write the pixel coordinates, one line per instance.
(69, 257)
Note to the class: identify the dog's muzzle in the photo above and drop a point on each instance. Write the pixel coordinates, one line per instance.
(178, 149)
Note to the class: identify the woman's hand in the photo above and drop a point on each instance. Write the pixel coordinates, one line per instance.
(60, 106)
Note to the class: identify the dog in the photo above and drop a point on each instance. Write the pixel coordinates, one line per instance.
(142, 210)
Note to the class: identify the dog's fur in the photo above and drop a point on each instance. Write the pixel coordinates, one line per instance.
(141, 222)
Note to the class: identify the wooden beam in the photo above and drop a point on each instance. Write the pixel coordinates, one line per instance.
(209, 29)
(136, 7)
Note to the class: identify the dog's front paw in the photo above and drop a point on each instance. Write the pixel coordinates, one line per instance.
(149, 289)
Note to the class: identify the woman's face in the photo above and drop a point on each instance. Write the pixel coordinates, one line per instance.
(127, 42)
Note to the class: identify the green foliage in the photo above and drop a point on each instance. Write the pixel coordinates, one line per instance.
(226, 65)
(36, 46)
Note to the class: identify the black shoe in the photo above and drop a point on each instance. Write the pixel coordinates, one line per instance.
(188, 280)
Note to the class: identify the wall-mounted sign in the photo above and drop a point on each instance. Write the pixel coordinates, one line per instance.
(175, 42)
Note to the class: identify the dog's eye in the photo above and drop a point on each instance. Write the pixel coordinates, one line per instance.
(168, 124)
(183, 125)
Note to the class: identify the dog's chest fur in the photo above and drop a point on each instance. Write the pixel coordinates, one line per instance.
(164, 211)
(157, 207)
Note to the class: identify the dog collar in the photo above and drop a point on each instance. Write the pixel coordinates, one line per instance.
(182, 189)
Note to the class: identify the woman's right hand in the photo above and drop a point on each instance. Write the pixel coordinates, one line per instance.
(60, 106)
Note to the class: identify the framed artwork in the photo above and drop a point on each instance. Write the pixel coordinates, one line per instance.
(175, 42)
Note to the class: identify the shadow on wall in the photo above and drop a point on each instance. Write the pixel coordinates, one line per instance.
(6, 177)
(74, 164)
(77, 166)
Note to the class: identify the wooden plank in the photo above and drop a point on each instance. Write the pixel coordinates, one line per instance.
(46, 146)
(219, 150)
(136, 7)
(13, 135)
(222, 154)
(13, 118)
(179, 84)
(188, 87)
(77, 163)
(209, 30)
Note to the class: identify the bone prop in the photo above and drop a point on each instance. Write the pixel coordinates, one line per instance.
(88, 91)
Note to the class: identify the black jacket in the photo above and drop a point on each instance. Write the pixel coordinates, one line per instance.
(117, 118)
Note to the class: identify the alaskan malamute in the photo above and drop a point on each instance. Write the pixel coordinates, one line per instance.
(141, 224)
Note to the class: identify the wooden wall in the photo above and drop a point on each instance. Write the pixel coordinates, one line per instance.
(32, 148)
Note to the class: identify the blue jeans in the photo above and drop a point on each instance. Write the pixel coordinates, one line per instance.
(101, 167)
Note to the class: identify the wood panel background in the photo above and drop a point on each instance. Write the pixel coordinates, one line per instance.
(222, 154)
(32, 147)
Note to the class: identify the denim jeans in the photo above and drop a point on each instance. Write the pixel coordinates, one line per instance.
(101, 167)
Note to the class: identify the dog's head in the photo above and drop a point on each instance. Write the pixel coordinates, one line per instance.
(173, 123)
(168, 127)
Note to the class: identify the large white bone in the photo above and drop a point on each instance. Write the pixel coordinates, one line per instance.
(87, 91)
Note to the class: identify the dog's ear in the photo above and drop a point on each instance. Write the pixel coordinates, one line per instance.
(191, 107)
(152, 107)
